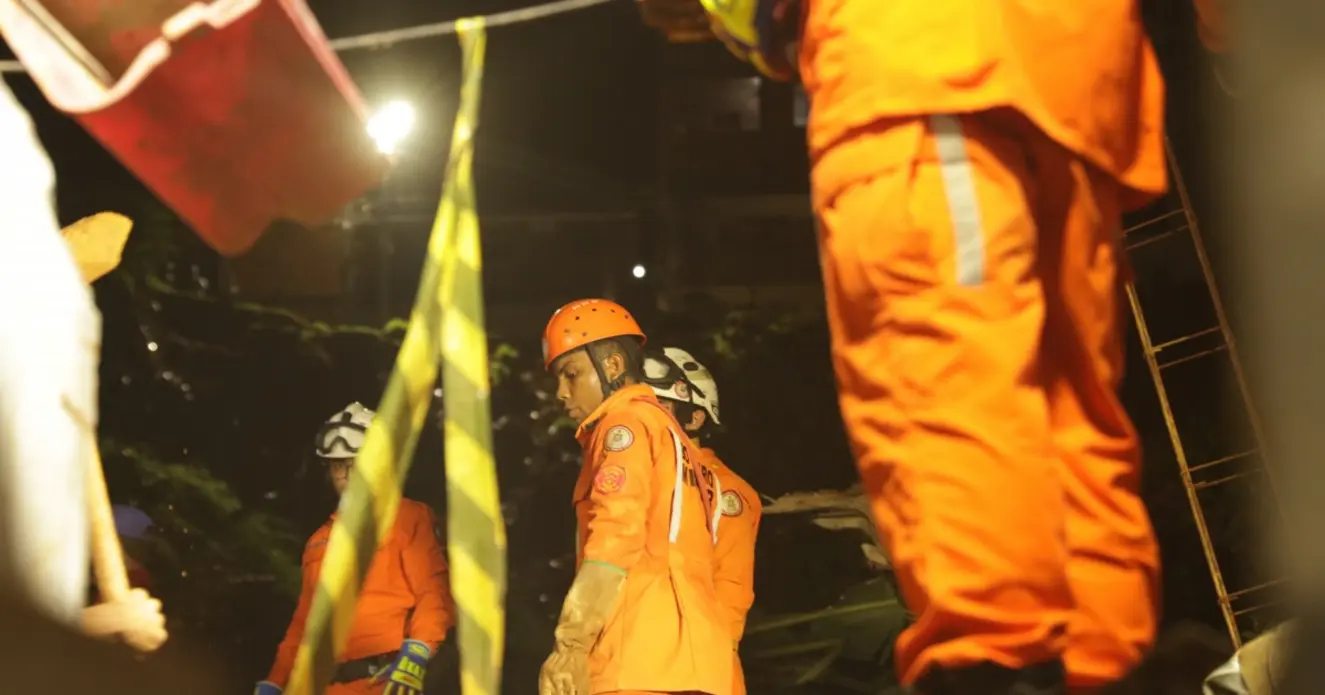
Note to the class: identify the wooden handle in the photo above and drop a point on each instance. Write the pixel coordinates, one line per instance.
(107, 555)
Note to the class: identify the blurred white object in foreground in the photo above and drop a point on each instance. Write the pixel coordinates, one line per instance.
(50, 340)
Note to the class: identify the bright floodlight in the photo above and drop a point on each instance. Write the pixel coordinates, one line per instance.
(391, 125)
(638, 271)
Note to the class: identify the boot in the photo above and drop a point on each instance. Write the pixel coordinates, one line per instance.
(1178, 664)
(993, 679)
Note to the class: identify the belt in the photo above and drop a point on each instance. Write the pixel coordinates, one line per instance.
(359, 669)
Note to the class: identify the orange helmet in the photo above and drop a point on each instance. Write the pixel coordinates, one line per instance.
(585, 321)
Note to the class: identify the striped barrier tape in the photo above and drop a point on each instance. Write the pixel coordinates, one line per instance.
(447, 323)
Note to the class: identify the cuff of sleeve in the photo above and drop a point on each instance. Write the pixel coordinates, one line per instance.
(604, 563)
(417, 648)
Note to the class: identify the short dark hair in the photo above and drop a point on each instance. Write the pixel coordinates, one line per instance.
(632, 354)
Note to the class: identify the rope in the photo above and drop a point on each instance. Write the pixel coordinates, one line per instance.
(389, 37)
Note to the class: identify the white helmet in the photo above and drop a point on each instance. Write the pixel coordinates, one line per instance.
(341, 437)
(677, 376)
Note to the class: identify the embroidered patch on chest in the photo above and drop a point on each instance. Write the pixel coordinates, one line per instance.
(619, 438)
(609, 479)
(732, 504)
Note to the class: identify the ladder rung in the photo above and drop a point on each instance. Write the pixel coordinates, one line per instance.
(1149, 240)
(1252, 609)
(1235, 595)
(1179, 341)
(1153, 220)
(1220, 481)
(1188, 358)
(1216, 462)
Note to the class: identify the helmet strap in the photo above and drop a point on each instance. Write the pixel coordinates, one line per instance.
(609, 387)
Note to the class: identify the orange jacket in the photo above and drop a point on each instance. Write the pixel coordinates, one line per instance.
(1083, 71)
(640, 505)
(734, 577)
(735, 574)
(406, 594)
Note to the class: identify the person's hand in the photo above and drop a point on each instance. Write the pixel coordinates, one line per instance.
(405, 675)
(136, 619)
(566, 672)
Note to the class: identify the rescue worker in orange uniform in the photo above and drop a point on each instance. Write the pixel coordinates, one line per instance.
(404, 609)
(970, 165)
(687, 389)
(642, 615)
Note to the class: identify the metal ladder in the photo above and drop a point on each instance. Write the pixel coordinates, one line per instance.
(1197, 340)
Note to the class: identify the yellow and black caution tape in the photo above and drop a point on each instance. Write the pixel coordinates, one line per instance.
(447, 323)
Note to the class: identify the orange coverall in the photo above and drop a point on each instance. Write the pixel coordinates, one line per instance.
(970, 161)
(737, 532)
(406, 595)
(639, 505)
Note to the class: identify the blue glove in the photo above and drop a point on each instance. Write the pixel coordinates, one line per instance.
(405, 676)
(266, 688)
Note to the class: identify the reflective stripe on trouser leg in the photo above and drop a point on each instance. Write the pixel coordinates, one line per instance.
(963, 206)
(938, 391)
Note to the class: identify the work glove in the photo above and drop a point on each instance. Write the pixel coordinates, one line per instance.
(589, 603)
(266, 688)
(405, 675)
(763, 33)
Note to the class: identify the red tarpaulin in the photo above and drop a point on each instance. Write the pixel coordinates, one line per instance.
(235, 113)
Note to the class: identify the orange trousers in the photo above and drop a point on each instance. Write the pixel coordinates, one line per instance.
(738, 675)
(974, 301)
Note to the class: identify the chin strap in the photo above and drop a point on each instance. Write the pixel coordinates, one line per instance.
(609, 387)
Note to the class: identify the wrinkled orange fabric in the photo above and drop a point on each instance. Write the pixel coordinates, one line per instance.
(640, 506)
(737, 531)
(1083, 72)
(970, 161)
(406, 595)
(1001, 465)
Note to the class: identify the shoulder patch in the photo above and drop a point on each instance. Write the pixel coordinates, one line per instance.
(618, 438)
(732, 505)
(609, 479)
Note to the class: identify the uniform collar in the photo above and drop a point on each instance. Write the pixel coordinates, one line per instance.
(612, 402)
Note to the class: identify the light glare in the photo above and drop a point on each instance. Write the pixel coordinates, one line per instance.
(390, 125)
(638, 271)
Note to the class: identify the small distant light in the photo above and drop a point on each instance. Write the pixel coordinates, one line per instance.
(638, 271)
(151, 346)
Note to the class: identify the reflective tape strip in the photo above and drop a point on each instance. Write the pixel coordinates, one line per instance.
(674, 531)
(717, 507)
(450, 294)
(963, 205)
